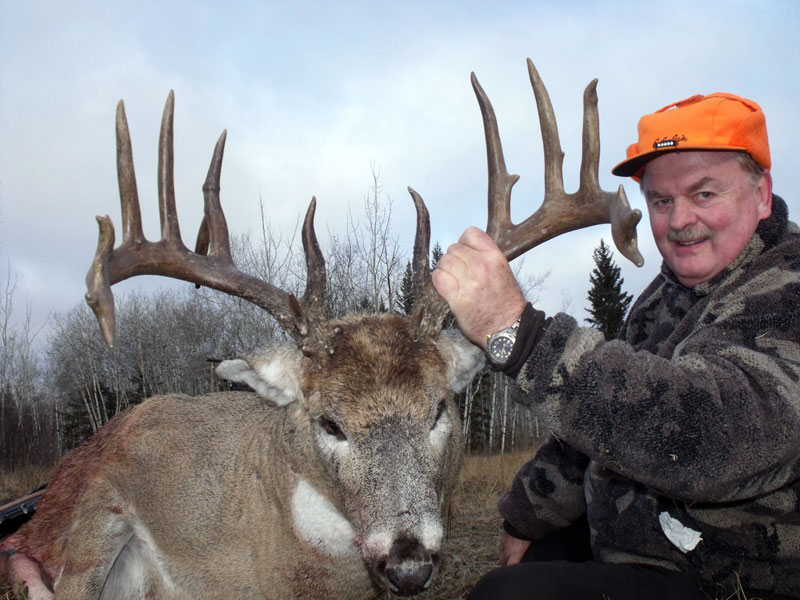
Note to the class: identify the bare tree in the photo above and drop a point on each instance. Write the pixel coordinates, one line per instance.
(376, 248)
(346, 275)
(26, 417)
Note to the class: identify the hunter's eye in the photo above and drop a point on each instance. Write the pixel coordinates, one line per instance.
(439, 413)
(332, 428)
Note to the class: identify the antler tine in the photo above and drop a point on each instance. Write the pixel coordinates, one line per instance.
(623, 220)
(170, 229)
(316, 279)
(559, 212)
(551, 142)
(430, 309)
(99, 295)
(214, 227)
(590, 161)
(623, 228)
(98, 288)
(126, 176)
(169, 257)
(500, 181)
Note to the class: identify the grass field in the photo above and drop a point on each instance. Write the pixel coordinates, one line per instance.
(470, 549)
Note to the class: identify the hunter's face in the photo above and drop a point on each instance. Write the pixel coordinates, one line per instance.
(704, 207)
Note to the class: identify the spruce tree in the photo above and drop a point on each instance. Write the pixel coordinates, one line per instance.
(405, 300)
(436, 254)
(609, 303)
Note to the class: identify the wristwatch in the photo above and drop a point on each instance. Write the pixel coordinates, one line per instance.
(500, 344)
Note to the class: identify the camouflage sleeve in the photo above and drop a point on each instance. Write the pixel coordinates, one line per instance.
(547, 492)
(718, 419)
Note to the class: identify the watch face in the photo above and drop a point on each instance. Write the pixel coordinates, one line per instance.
(499, 348)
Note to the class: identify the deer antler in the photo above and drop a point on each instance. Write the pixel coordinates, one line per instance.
(211, 264)
(430, 309)
(559, 212)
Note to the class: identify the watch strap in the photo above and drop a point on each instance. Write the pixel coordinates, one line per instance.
(532, 325)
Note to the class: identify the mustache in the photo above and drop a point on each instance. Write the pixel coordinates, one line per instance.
(689, 234)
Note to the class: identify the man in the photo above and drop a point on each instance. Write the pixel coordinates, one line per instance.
(673, 467)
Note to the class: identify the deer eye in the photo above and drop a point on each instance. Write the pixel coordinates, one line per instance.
(331, 428)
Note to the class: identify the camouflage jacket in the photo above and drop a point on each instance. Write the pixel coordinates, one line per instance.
(694, 411)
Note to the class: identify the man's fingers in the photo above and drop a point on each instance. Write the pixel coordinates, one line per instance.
(512, 549)
(477, 240)
(445, 284)
(458, 256)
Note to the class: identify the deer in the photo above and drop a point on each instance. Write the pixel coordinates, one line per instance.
(334, 478)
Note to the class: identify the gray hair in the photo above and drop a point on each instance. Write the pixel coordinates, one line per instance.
(749, 164)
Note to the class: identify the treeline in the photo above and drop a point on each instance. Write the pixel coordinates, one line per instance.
(53, 398)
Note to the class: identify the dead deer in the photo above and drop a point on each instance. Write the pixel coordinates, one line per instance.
(332, 481)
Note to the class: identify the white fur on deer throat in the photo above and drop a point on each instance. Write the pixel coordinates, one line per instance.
(320, 523)
(440, 434)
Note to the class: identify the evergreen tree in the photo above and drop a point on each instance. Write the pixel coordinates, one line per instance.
(366, 306)
(405, 300)
(436, 254)
(609, 303)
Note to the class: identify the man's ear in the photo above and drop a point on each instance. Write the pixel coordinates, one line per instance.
(273, 372)
(764, 192)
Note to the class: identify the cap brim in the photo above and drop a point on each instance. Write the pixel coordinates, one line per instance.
(632, 167)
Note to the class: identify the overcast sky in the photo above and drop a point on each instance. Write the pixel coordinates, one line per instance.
(313, 93)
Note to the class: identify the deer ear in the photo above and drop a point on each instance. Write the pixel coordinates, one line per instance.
(463, 358)
(273, 372)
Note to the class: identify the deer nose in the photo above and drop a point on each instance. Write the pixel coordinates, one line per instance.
(409, 567)
(408, 580)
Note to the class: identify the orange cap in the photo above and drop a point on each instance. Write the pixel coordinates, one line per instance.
(714, 122)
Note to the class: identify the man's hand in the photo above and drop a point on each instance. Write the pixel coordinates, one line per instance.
(476, 281)
(512, 549)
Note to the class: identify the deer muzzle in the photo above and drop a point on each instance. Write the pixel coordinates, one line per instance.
(408, 568)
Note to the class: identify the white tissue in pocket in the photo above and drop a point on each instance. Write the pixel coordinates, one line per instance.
(684, 538)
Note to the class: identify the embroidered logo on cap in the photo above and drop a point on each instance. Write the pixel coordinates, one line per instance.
(669, 142)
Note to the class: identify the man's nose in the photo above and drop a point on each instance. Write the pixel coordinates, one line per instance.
(682, 215)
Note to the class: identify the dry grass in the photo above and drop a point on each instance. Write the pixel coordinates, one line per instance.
(470, 549)
(19, 482)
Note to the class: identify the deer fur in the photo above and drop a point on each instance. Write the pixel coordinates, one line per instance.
(332, 482)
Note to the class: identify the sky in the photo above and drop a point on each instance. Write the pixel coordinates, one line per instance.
(315, 95)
